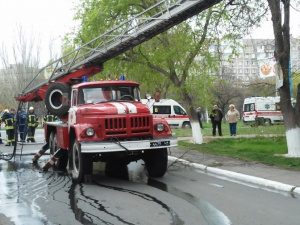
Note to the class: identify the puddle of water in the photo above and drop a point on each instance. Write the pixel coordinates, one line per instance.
(212, 215)
(14, 190)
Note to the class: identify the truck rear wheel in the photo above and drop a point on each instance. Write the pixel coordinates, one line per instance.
(156, 161)
(186, 125)
(62, 155)
(268, 122)
(53, 142)
(54, 98)
(82, 163)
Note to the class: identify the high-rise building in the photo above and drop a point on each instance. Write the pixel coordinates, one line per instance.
(245, 66)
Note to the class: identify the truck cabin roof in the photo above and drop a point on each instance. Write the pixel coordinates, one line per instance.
(106, 83)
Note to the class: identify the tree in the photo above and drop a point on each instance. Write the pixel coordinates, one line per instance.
(179, 59)
(291, 115)
(20, 63)
(226, 92)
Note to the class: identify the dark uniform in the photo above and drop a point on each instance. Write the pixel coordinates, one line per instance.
(32, 120)
(22, 125)
(216, 117)
(9, 127)
(1, 142)
(50, 118)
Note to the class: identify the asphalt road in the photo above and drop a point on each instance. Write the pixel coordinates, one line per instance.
(183, 196)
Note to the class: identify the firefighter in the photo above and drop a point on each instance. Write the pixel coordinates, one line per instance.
(22, 125)
(49, 117)
(13, 112)
(1, 142)
(32, 122)
(9, 127)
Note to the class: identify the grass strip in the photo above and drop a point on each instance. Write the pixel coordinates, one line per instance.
(268, 150)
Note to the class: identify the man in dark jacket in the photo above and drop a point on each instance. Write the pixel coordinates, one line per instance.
(1, 142)
(9, 127)
(216, 117)
(199, 117)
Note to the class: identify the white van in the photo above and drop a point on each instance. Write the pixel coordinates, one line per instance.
(262, 111)
(169, 109)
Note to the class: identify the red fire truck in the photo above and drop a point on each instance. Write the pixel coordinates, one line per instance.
(102, 121)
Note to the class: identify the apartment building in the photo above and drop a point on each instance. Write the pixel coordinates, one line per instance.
(245, 66)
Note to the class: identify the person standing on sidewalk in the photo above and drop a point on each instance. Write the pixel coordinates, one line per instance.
(32, 120)
(9, 127)
(199, 117)
(216, 117)
(1, 142)
(232, 117)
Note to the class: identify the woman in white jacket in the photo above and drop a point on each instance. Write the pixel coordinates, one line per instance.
(232, 117)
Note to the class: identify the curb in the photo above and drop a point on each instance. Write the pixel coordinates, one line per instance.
(241, 177)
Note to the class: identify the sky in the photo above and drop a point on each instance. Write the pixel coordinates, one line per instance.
(44, 19)
(50, 20)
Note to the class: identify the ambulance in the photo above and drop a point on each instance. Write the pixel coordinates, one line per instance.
(262, 111)
(170, 110)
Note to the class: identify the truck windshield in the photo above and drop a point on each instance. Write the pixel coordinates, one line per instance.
(109, 93)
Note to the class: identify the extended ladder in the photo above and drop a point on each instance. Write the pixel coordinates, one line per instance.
(136, 30)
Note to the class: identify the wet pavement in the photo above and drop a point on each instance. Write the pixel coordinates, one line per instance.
(44, 197)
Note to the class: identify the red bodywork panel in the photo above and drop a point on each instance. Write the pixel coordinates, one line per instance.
(39, 95)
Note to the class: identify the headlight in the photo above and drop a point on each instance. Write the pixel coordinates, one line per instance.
(160, 127)
(90, 131)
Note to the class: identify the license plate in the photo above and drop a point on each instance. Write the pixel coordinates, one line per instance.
(158, 144)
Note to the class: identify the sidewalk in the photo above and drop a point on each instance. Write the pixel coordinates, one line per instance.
(253, 172)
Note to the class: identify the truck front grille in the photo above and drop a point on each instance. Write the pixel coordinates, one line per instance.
(128, 126)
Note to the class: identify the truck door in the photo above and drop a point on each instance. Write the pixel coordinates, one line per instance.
(72, 110)
(249, 113)
(180, 116)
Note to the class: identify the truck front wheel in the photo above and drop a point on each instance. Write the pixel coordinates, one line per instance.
(82, 163)
(156, 161)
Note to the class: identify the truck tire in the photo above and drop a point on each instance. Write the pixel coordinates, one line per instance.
(156, 162)
(62, 156)
(268, 122)
(82, 163)
(186, 125)
(52, 142)
(62, 160)
(54, 98)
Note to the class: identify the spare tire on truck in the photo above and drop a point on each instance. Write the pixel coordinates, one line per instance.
(54, 98)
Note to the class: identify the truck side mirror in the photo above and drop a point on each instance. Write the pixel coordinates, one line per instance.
(65, 99)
